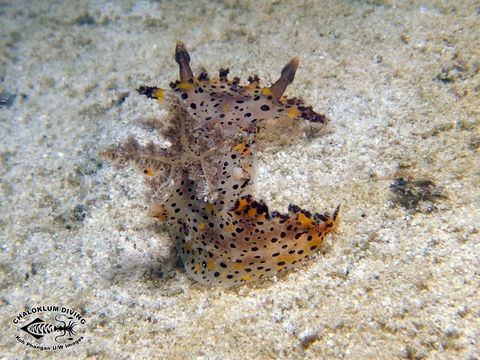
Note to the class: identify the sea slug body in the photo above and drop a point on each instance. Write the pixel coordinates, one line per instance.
(201, 184)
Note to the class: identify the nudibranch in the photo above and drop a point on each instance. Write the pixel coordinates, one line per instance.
(201, 184)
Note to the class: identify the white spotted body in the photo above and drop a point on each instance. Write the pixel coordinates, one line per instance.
(223, 236)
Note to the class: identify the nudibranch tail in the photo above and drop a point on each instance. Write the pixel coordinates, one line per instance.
(201, 184)
(249, 243)
(242, 244)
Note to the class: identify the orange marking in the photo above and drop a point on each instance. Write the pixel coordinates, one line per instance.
(214, 81)
(293, 112)
(261, 217)
(202, 226)
(316, 241)
(186, 86)
(229, 228)
(252, 86)
(226, 107)
(287, 258)
(159, 94)
(242, 204)
(238, 266)
(148, 171)
(209, 207)
(266, 91)
(251, 212)
(305, 221)
(242, 148)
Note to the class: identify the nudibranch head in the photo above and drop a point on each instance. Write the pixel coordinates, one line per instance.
(201, 184)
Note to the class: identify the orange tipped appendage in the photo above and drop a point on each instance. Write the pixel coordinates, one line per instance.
(286, 78)
(183, 60)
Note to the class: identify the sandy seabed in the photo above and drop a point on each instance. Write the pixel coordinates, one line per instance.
(400, 82)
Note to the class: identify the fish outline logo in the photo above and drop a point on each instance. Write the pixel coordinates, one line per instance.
(38, 328)
(49, 327)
